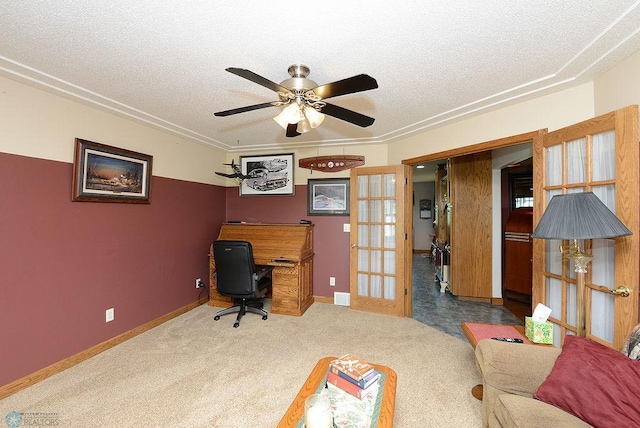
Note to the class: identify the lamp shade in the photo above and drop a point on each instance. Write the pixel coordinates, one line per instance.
(303, 126)
(289, 115)
(578, 216)
(314, 117)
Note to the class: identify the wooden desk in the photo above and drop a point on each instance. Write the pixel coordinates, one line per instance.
(288, 248)
(296, 410)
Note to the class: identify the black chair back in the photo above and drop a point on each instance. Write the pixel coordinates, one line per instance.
(235, 269)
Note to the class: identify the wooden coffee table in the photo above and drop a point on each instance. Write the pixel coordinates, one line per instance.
(296, 410)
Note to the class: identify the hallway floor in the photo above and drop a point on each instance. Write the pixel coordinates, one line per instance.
(446, 312)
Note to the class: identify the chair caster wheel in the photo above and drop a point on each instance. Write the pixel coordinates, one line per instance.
(264, 317)
(236, 325)
(216, 318)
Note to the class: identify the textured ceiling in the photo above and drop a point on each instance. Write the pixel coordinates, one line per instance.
(164, 62)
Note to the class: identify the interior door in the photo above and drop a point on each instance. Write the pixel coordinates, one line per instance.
(599, 155)
(470, 180)
(380, 243)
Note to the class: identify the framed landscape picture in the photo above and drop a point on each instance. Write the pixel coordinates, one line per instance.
(328, 196)
(104, 173)
(267, 175)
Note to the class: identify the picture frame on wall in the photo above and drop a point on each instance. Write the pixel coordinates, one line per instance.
(267, 175)
(425, 208)
(329, 196)
(103, 173)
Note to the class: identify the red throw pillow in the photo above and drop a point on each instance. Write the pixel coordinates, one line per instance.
(598, 384)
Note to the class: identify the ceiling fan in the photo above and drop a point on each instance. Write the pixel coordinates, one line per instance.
(304, 99)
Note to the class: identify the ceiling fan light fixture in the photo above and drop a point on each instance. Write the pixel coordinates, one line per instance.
(304, 126)
(290, 114)
(314, 117)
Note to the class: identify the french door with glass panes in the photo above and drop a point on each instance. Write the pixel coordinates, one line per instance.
(600, 156)
(380, 241)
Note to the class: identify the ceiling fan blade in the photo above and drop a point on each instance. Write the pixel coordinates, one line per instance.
(347, 115)
(359, 83)
(243, 109)
(292, 130)
(255, 78)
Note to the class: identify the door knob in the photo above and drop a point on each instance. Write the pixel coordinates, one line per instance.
(354, 245)
(621, 291)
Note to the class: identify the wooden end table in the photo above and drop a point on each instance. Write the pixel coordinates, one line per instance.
(476, 331)
(296, 409)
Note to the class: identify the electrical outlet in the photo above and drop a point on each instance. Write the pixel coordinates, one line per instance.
(109, 315)
(332, 281)
(199, 283)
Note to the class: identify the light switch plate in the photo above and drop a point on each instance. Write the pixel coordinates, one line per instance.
(346, 227)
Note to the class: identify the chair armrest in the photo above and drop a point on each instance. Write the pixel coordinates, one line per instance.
(514, 368)
(262, 272)
(511, 368)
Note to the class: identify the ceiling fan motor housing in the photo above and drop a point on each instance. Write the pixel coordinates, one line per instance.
(298, 80)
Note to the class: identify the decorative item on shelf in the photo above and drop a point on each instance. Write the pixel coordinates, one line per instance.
(331, 163)
(577, 216)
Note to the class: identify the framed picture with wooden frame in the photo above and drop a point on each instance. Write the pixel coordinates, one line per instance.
(328, 196)
(104, 173)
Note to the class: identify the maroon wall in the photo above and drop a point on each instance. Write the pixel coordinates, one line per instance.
(331, 244)
(63, 263)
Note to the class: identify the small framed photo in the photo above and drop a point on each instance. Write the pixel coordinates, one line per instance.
(328, 196)
(267, 175)
(425, 208)
(104, 173)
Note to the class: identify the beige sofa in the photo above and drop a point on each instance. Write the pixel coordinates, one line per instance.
(511, 373)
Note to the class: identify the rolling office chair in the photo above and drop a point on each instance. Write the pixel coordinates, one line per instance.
(237, 277)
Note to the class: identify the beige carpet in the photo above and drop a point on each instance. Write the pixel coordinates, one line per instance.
(196, 372)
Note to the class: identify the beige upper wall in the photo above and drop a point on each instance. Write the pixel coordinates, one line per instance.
(40, 124)
(552, 111)
(618, 87)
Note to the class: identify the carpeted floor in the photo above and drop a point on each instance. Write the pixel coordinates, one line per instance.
(196, 372)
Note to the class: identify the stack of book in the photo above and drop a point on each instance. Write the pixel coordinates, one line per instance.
(352, 375)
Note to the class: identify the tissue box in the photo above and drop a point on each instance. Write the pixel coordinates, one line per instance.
(538, 332)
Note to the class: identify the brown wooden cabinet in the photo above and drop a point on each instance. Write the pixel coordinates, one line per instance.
(518, 249)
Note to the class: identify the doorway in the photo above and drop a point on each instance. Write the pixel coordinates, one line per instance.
(516, 190)
(490, 248)
(517, 244)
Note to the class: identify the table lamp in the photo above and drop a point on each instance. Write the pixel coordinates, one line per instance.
(576, 216)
